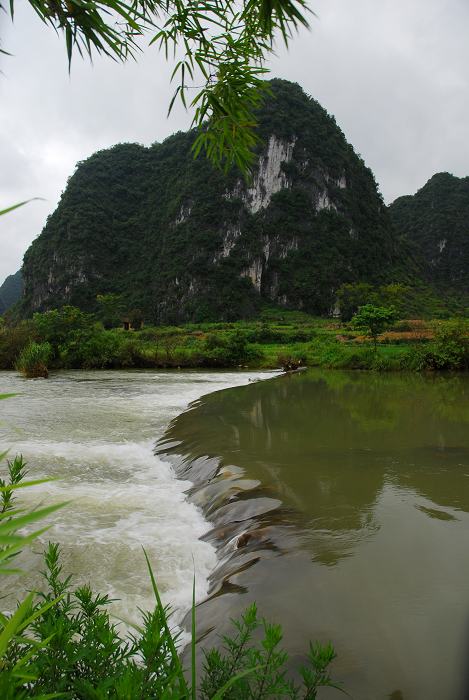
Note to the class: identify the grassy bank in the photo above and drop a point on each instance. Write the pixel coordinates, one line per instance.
(278, 338)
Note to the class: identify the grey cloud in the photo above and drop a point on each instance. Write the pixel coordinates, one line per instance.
(395, 75)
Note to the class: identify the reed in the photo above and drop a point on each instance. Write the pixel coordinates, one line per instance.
(33, 360)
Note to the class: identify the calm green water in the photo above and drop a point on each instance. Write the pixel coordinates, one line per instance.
(339, 501)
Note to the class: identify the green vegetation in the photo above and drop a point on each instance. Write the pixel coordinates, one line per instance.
(435, 223)
(150, 229)
(178, 240)
(449, 350)
(61, 642)
(10, 291)
(374, 320)
(71, 339)
(33, 360)
(414, 299)
(350, 297)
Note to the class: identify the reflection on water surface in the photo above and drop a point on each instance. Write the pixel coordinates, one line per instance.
(340, 503)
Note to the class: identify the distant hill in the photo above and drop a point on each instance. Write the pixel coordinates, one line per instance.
(10, 291)
(435, 221)
(181, 241)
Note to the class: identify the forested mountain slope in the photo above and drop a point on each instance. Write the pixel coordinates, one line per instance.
(10, 291)
(436, 223)
(182, 241)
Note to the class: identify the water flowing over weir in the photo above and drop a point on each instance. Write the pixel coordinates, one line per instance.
(95, 432)
(340, 504)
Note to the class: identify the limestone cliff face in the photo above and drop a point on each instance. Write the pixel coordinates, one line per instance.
(182, 241)
(270, 176)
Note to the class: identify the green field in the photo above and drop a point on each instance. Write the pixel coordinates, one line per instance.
(278, 338)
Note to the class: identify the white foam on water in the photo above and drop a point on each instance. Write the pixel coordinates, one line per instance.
(95, 432)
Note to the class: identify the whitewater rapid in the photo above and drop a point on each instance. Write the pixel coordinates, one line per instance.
(94, 432)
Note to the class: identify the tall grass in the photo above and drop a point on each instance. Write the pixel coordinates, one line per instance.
(33, 360)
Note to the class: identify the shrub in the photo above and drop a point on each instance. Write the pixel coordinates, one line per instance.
(75, 651)
(55, 326)
(451, 345)
(351, 296)
(448, 351)
(230, 351)
(13, 339)
(267, 661)
(131, 353)
(33, 360)
(385, 363)
(90, 348)
(110, 309)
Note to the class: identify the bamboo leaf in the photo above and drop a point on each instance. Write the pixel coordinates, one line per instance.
(16, 206)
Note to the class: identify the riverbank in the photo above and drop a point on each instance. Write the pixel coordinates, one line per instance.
(74, 340)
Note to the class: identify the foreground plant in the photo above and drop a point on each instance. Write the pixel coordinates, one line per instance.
(266, 663)
(62, 643)
(15, 630)
(219, 49)
(74, 650)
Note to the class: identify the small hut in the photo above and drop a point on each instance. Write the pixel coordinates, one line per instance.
(132, 322)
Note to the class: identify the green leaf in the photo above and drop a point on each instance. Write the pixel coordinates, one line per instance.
(242, 674)
(172, 646)
(34, 516)
(16, 206)
(12, 626)
(193, 641)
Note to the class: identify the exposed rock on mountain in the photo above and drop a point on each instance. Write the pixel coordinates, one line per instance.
(182, 241)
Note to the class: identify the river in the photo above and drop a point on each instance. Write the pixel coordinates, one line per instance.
(94, 432)
(339, 501)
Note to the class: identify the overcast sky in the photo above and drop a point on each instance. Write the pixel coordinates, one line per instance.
(395, 73)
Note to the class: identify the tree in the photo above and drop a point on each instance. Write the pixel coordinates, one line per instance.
(351, 296)
(373, 320)
(395, 295)
(56, 325)
(110, 309)
(219, 48)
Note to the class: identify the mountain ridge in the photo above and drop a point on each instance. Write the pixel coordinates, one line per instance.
(183, 242)
(10, 291)
(435, 221)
